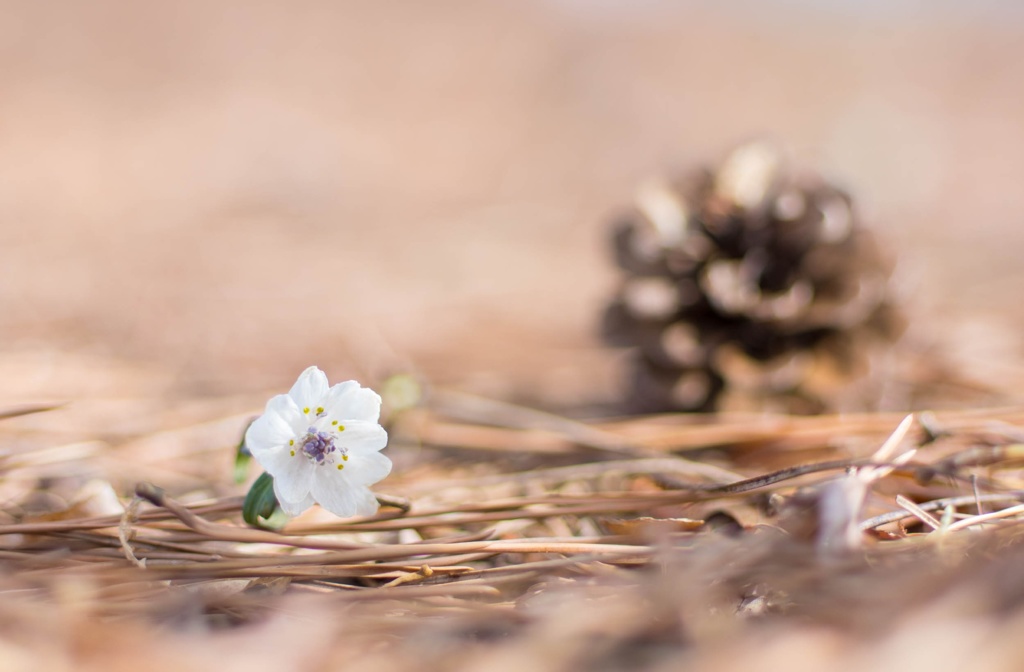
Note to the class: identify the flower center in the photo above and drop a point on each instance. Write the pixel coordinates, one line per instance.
(319, 447)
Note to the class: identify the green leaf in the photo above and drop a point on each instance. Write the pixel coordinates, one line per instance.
(242, 458)
(276, 522)
(261, 502)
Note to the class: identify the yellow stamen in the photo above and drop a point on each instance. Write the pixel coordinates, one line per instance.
(291, 442)
(293, 453)
(341, 428)
(319, 410)
(344, 458)
(306, 410)
(340, 467)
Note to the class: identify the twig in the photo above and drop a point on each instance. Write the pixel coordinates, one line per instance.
(985, 517)
(479, 409)
(156, 496)
(28, 409)
(918, 512)
(125, 531)
(895, 516)
(580, 472)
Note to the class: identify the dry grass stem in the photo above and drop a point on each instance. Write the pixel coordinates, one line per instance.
(502, 519)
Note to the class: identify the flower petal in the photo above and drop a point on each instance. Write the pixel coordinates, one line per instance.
(295, 508)
(367, 468)
(349, 401)
(275, 427)
(298, 482)
(293, 476)
(366, 502)
(362, 436)
(310, 389)
(284, 406)
(333, 491)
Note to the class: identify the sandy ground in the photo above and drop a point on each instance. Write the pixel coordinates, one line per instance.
(203, 199)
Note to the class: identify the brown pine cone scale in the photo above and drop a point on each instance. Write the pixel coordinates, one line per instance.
(749, 287)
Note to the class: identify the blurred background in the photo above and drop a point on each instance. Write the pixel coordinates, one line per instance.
(204, 198)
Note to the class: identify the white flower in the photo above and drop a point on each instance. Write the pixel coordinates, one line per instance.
(322, 445)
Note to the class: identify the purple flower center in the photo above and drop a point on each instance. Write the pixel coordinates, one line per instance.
(317, 445)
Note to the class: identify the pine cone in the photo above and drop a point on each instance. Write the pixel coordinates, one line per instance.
(750, 287)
